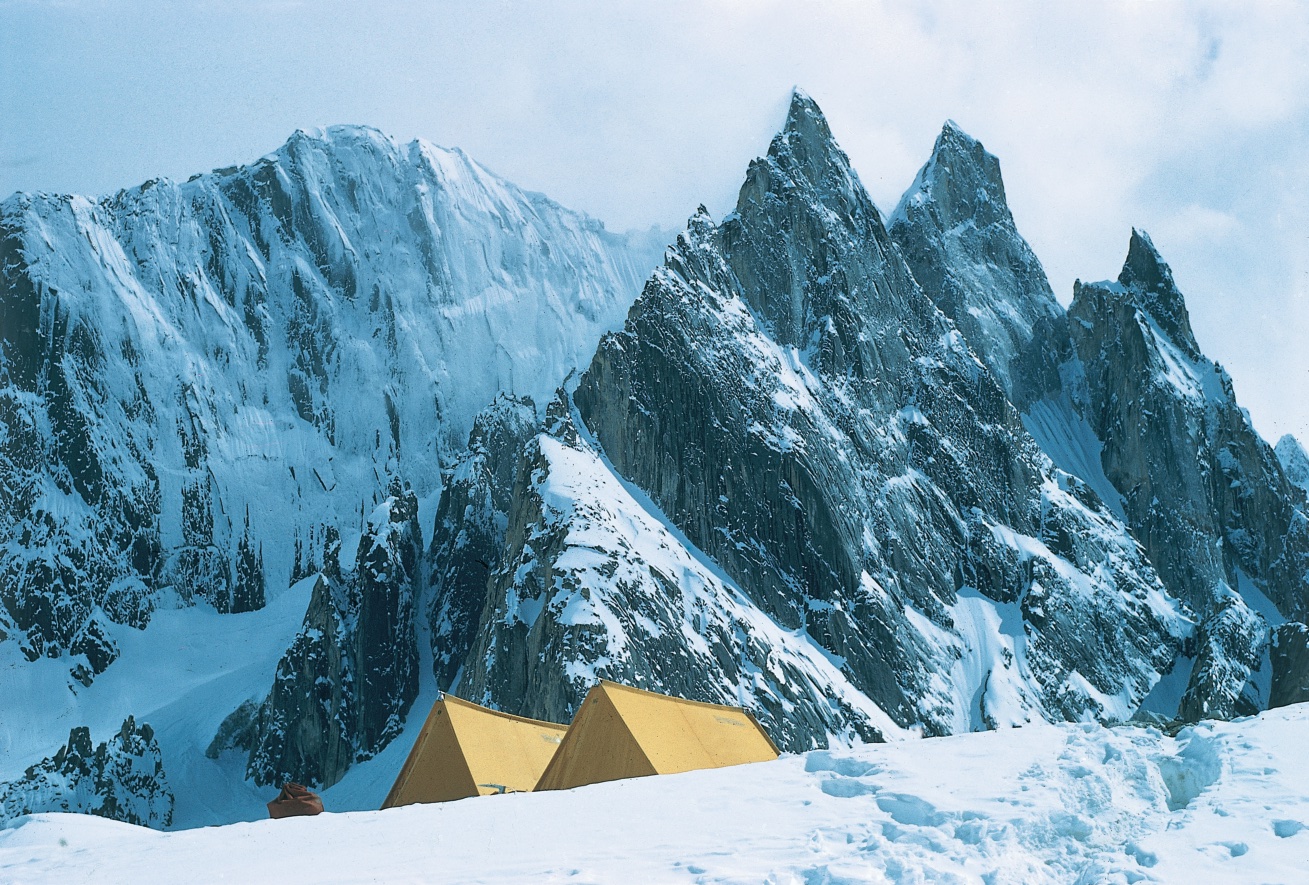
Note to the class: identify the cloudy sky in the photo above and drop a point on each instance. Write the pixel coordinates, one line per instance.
(1190, 120)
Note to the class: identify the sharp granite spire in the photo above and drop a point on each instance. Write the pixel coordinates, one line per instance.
(955, 230)
(805, 167)
(1148, 276)
(807, 134)
(962, 181)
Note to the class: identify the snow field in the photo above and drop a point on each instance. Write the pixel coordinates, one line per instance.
(1221, 802)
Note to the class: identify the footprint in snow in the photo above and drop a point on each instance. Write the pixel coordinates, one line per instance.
(846, 787)
(822, 760)
(1226, 850)
(1285, 829)
(910, 810)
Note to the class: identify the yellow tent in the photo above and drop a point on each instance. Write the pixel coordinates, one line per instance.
(621, 732)
(466, 750)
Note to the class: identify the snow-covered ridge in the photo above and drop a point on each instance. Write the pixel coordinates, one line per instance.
(299, 328)
(1220, 802)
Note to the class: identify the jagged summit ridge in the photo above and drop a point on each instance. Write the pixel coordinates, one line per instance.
(805, 146)
(802, 158)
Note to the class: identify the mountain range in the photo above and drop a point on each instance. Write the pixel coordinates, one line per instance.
(290, 447)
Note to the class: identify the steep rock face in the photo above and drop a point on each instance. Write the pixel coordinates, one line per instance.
(344, 687)
(1123, 360)
(797, 409)
(121, 778)
(957, 235)
(1203, 493)
(197, 378)
(1290, 663)
(595, 584)
(468, 534)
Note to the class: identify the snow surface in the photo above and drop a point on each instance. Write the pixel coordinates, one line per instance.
(1221, 802)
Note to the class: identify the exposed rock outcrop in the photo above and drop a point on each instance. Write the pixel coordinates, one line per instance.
(344, 687)
(595, 584)
(469, 529)
(1290, 662)
(121, 778)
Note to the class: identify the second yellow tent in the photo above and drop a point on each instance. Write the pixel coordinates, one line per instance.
(620, 732)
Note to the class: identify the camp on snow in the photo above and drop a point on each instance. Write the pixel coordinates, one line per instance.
(618, 731)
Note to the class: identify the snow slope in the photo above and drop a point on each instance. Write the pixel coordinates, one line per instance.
(1221, 802)
(213, 663)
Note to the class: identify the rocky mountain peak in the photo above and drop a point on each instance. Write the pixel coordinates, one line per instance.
(954, 228)
(805, 145)
(805, 120)
(1148, 276)
(802, 214)
(961, 181)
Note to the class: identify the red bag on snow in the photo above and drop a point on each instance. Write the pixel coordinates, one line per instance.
(294, 800)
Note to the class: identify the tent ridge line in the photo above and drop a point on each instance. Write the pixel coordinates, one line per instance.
(677, 698)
